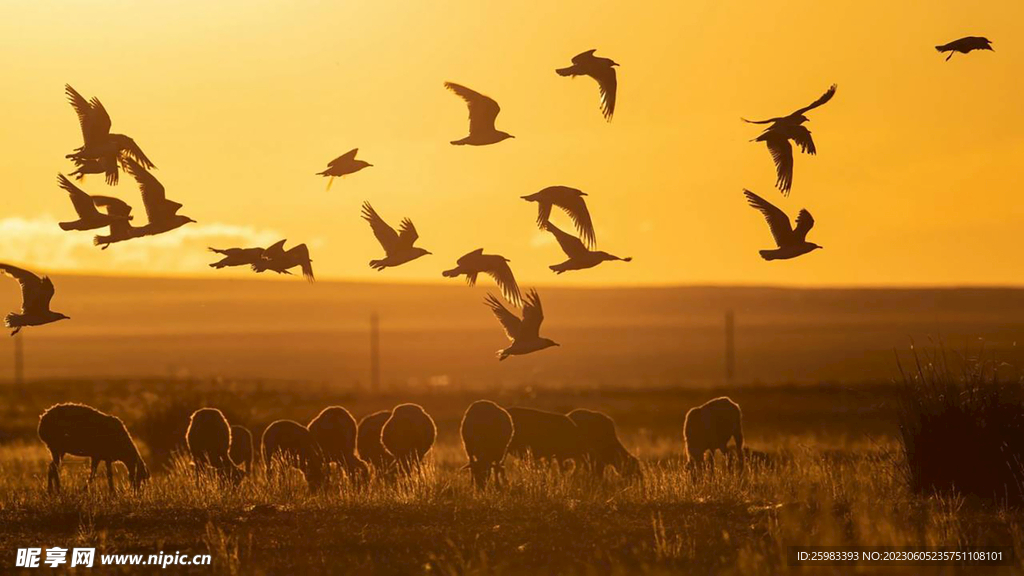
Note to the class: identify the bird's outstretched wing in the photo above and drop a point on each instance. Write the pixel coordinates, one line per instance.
(299, 256)
(483, 110)
(127, 147)
(777, 220)
(508, 320)
(275, 250)
(83, 204)
(92, 116)
(608, 85)
(804, 223)
(820, 101)
(36, 292)
(499, 270)
(576, 207)
(385, 234)
(533, 315)
(584, 57)
(571, 245)
(344, 158)
(802, 137)
(113, 206)
(407, 233)
(782, 154)
(154, 198)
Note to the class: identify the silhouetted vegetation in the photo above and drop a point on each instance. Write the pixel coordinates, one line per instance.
(962, 427)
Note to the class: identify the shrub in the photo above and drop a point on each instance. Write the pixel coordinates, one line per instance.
(962, 430)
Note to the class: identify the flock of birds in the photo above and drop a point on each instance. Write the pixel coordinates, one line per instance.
(104, 152)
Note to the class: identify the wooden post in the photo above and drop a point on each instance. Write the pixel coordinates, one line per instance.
(374, 353)
(730, 346)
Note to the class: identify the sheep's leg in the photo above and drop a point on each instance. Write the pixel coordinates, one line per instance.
(739, 449)
(53, 475)
(94, 463)
(110, 477)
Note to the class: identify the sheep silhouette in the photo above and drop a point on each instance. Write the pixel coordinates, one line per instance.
(241, 447)
(408, 435)
(601, 445)
(486, 432)
(371, 449)
(291, 444)
(81, 430)
(334, 429)
(209, 442)
(709, 427)
(544, 436)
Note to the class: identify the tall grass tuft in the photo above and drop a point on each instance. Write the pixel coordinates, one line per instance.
(962, 427)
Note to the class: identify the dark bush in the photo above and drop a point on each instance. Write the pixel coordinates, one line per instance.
(962, 427)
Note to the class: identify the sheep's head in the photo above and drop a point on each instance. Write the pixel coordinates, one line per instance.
(480, 472)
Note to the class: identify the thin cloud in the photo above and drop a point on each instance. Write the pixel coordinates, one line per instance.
(40, 242)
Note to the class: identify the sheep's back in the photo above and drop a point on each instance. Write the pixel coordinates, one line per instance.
(486, 431)
(410, 431)
(209, 434)
(81, 430)
(368, 439)
(334, 429)
(544, 434)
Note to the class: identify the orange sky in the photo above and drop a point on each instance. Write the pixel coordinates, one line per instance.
(240, 103)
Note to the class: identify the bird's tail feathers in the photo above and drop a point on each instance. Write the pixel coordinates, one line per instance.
(65, 225)
(940, 48)
(454, 272)
(216, 250)
(565, 71)
(14, 320)
(377, 265)
(767, 254)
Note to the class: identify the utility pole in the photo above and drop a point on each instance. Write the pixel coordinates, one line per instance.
(730, 346)
(374, 353)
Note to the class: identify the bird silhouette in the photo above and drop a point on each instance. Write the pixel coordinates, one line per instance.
(276, 259)
(101, 150)
(571, 201)
(36, 294)
(524, 333)
(482, 113)
(398, 246)
(89, 217)
(786, 128)
(580, 258)
(792, 242)
(965, 45)
(600, 69)
(237, 256)
(343, 165)
(495, 266)
(162, 213)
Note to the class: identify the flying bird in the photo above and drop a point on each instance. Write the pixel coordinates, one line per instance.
(571, 201)
(343, 165)
(965, 45)
(162, 213)
(398, 246)
(237, 257)
(495, 266)
(101, 150)
(524, 333)
(482, 113)
(786, 128)
(277, 259)
(580, 258)
(792, 242)
(600, 69)
(36, 294)
(89, 217)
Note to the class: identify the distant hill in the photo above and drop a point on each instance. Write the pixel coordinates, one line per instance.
(437, 335)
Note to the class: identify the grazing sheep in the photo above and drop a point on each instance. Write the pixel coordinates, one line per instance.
(601, 444)
(334, 429)
(544, 435)
(209, 442)
(371, 449)
(241, 447)
(486, 432)
(709, 427)
(81, 430)
(408, 435)
(292, 443)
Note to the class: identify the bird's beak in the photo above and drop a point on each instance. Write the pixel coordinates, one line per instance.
(583, 193)
(369, 165)
(429, 253)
